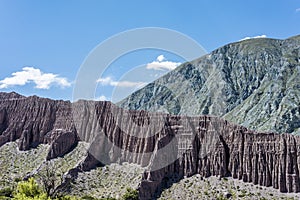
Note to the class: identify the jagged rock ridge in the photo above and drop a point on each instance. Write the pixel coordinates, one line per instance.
(35, 120)
(254, 83)
(205, 145)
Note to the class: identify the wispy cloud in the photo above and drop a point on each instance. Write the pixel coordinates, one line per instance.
(109, 81)
(33, 75)
(259, 36)
(161, 64)
(298, 10)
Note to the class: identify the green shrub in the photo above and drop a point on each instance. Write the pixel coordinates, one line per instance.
(225, 178)
(6, 192)
(221, 197)
(4, 198)
(17, 179)
(243, 193)
(87, 197)
(131, 194)
(262, 198)
(67, 197)
(206, 192)
(29, 190)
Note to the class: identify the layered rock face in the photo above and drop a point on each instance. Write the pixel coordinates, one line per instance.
(169, 146)
(266, 159)
(35, 120)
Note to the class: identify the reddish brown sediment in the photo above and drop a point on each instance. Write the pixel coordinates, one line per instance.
(266, 159)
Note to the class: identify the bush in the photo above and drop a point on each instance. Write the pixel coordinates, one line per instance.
(86, 197)
(4, 198)
(225, 179)
(6, 192)
(17, 179)
(131, 194)
(67, 197)
(29, 190)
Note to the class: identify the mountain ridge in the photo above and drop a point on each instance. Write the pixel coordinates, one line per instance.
(238, 75)
(254, 81)
(204, 145)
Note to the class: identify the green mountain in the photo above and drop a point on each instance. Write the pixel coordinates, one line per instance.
(255, 83)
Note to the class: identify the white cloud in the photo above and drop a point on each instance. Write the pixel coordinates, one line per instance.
(109, 81)
(32, 75)
(255, 37)
(101, 98)
(106, 81)
(298, 10)
(160, 58)
(161, 64)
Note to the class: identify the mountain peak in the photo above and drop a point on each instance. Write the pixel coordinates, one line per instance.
(11, 95)
(252, 82)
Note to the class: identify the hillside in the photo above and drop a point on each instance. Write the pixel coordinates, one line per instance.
(167, 148)
(252, 89)
(254, 83)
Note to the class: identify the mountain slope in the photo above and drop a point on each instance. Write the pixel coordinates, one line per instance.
(254, 83)
(181, 146)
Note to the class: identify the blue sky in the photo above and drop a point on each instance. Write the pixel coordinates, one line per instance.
(47, 41)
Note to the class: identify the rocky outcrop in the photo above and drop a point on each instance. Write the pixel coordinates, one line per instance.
(169, 146)
(61, 142)
(254, 83)
(266, 159)
(35, 120)
(183, 146)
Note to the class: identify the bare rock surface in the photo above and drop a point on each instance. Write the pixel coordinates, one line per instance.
(203, 145)
(254, 83)
(35, 121)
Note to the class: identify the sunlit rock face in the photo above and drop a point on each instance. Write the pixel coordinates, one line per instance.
(254, 83)
(166, 145)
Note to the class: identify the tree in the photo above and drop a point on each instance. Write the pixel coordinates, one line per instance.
(49, 179)
(30, 190)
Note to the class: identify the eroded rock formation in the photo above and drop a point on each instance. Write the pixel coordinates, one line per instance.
(168, 145)
(35, 120)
